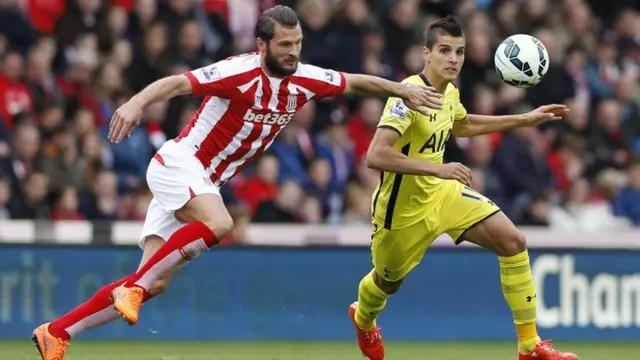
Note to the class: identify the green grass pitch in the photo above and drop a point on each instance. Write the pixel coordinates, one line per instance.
(162, 350)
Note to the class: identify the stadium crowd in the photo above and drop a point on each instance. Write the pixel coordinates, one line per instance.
(67, 65)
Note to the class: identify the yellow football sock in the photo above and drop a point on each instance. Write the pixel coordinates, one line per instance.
(520, 293)
(371, 301)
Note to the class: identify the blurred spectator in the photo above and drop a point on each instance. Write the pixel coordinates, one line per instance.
(31, 202)
(577, 121)
(558, 85)
(143, 16)
(81, 17)
(610, 146)
(5, 197)
(65, 206)
(173, 13)
(351, 28)
(291, 155)
(15, 26)
(567, 162)
(131, 170)
(41, 80)
(608, 185)
(190, 51)
(576, 66)
(478, 65)
(580, 213)
(537, 211)
(521, 166)
(480, 154)
(60, 160)
(375, 60)
(322, 186)
(141, 199)
(367, 178)
(50, 120)
(100, 202)
(16, 97)
(336, 147)
(95, 157)
(302, 124)
(603, 71)
(150, 61)
(100, 100)
(283, 207)
(262, 186)
(117, 22)
(153, 119)
(399, 30)
(625, 90)
(84, 123)
(362, 126)
(358, 205)
(627, 203)
(311, 210)
(24, 151)
(318, 41)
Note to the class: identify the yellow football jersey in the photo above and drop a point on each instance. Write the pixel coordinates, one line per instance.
(402, 200)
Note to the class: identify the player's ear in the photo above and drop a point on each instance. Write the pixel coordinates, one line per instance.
(261, 44)
(425, 53)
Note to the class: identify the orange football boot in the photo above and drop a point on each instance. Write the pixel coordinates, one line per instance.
(545, 351)
(369, 341)
(49, 346)
(127, 302)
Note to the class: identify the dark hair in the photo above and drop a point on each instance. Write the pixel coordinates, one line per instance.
(279, 14)
(448, 26)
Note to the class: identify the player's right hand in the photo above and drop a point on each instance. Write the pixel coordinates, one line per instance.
(455, 171)
(421, 98)
(124, 121)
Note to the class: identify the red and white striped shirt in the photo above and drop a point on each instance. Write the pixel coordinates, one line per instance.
(244, 110)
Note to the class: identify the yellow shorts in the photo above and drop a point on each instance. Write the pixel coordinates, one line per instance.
(396, 252)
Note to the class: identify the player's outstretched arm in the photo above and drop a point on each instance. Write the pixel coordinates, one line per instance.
(127, 117)
(162, 90)
(474, 125)
(384, 157)
(415, 97)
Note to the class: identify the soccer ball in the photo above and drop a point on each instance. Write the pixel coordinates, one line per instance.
(521, 60)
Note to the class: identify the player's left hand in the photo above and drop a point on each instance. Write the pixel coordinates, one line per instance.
(421, 98)
(546, 113)
(124, 121)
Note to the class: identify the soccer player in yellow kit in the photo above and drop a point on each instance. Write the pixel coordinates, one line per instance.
(419, 198)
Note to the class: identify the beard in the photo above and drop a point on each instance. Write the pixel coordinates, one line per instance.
(274, 66)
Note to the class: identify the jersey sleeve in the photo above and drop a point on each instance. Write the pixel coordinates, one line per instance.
(460, 112)
(215, 79)
(397, 115)
(323, 83)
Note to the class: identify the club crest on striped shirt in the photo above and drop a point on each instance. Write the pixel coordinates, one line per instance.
(292, 102)
(257, 101)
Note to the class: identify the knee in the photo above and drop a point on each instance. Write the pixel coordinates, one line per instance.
(389, 287)
(512, 244)
(220, 227)
(159, 286)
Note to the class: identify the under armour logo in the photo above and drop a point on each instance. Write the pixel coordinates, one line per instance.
(432, 117)
(387, 272)
(530, 298)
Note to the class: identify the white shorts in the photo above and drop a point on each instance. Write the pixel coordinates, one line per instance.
(174, 176)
